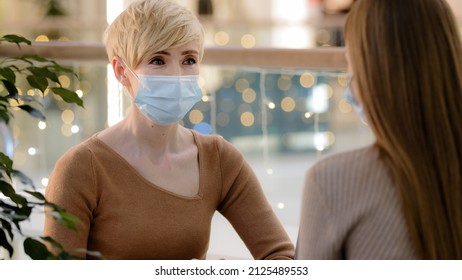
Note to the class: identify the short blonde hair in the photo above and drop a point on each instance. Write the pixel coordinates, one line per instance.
(150, 26)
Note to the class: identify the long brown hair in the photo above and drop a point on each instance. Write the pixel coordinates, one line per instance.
(407, 60)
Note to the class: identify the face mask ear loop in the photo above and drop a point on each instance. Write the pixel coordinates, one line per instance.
(124, 89)
(129, 69)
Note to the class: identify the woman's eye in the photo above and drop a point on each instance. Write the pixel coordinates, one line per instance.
(157, 61)
(189, 61)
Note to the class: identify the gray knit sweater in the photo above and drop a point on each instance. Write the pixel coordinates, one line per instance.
(351, 210)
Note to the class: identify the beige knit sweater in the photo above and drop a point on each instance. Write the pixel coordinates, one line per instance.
(351, 210)
(124, 216)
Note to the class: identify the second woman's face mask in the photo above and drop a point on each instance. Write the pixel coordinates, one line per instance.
(349, 96)
(167, 99)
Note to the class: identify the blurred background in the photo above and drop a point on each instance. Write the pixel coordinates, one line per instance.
(282, 118)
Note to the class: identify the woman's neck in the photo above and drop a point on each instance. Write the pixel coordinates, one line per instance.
(138, 136)
(149, 134)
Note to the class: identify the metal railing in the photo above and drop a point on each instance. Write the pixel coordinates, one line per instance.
(324, 58)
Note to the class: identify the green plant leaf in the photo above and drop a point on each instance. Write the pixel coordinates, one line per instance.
(23, 178)
(36, 250)
(14, 66)
(59, 68)
(44, 72)
(14, 213)
(54, 206)
(8, 74)
(68, 95)
(38, 82)
(6, 163)
(35, 57)
(33, 112)
(23, 213)
(5, 244)
(67, 219)
(53, 242)
(9, 191)
(11, 38)
(24, 59)
(7, 226)
(25, 98)
(10, 87)
(7, 208)
(39, 72)
(37, 195)
(63, 255)
(18, 227)
(5, 116)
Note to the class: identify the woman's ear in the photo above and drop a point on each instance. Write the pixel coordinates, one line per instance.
(119, 68)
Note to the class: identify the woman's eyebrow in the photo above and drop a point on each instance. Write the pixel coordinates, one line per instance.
(190, 52)
(183, 53)
(163, 52)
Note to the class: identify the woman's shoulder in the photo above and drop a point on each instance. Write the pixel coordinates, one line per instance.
(206, 139)
(218, 151)
(360, 158)
(359, 169)
(81, 151)
(360, 172)
(213, 141)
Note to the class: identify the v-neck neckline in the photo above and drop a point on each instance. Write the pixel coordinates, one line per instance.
(150, 184)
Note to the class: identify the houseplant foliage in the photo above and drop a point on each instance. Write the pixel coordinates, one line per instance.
(41, 74)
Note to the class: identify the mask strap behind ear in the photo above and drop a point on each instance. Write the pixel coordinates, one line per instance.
(129, 69)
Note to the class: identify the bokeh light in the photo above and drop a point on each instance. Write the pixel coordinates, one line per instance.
(67, 116)
(241, 85)
(221, 38)
(249, 95)
(223, 119)
(42, 38)
(247, 119)
(284, 82)
(42, 125)
(307, 80)
(203, 128)
(65, 81)
(288, 104)
(196, 116)
(248, 41)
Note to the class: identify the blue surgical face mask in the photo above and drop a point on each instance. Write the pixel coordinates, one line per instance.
(166, 99)
(352, 100)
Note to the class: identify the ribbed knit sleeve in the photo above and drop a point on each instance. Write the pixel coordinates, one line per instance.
(244, 205)
(72, 184)
(318, 236)
(351, 210)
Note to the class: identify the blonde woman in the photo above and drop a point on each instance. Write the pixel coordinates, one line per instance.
(147, 188)
(400, 198)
